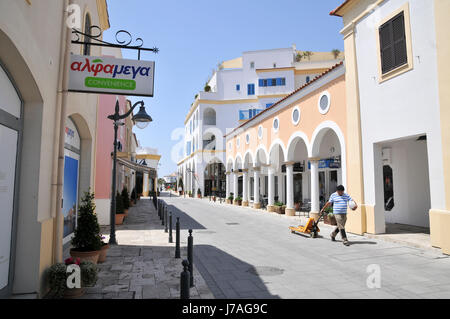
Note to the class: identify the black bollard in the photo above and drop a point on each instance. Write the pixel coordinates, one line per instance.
(159, 206)
(170, 228)
(191, 256)
(166, 222)
(184, 281)
(162, 214)
(177, 239)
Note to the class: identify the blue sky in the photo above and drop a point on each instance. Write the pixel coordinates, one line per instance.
(194, 36)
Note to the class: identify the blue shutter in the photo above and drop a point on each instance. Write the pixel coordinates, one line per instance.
(238, 87)
(261, 82)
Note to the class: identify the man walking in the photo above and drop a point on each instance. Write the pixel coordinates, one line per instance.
(339, 200)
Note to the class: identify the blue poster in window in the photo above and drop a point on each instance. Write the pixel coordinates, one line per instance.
(70, 194)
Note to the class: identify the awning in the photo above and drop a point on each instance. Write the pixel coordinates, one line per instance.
(137, 167)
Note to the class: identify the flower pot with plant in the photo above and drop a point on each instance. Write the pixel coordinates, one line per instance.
(328, 217)
(87, 240)
(58, 275)
(125, 200)
(199, 193)
(103, 251)
(230, 199)
(238, 200)
(120, 214)
(278, 206)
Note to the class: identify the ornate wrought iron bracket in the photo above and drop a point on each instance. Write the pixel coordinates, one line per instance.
(123, 39)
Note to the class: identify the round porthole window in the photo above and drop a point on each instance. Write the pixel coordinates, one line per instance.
(260, 132)
(324, 103)
(247, 138)
(295, 116)
(276, 124)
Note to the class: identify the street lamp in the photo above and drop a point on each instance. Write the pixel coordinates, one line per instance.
(141, 119)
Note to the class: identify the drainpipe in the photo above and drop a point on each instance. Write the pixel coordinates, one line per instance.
(59, 139)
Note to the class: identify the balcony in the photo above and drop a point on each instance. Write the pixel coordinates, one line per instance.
(245, 115)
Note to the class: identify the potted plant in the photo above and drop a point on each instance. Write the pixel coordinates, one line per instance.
(230, 199)
(87, 240)
(328, 217)
(133, 196)
(199, 193)
(120, 214)
(103, 251)
(207, 88)
(57, 276)
(190, 193)
(238, 200)
(278, 206)
(125, 200)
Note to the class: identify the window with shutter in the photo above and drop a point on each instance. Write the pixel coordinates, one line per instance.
(393, 43)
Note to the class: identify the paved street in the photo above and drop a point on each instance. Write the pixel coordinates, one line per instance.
(244, 253)
(143, 266)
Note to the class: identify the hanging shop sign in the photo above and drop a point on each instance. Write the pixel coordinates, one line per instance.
(334, 162)
(108, 75)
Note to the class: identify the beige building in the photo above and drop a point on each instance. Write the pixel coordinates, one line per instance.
(34, 48)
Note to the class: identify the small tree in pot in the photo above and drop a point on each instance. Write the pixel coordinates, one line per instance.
(238, 200)
(230, 198)
(120, 214)
(125, 200)
(199, 193)
(87, 240)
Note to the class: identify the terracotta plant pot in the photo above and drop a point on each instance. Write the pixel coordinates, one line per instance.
(329, 220)
(277, 209)
(199, 196)
(119, 219)
(239, 202)
(214, 198)
(125, 211)
(91, 256)
(297, 207)
(73, 293)
(103, 253)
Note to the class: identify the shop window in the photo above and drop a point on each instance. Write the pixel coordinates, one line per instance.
(388, 188)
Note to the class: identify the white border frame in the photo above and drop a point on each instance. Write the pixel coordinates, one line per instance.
(299, 116)
(275, 130)
(327, 94)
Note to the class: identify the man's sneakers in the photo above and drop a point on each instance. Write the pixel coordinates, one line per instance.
(333, 238)
(346, 243)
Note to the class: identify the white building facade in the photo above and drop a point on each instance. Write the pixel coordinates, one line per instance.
(236, 92)
(397, 79)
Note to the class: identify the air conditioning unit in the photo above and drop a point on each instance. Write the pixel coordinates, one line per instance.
(386, 155)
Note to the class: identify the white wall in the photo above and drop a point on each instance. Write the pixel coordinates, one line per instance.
(411, 184)
(405, 105)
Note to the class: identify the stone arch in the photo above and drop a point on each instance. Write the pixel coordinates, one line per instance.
(248, 159)
(31, 168)
(319, 133)
(261, 156)
(296, 138)
(277, 153)
(86, 156)
(209, 116)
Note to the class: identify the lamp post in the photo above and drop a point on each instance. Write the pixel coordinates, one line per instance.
(141, 119)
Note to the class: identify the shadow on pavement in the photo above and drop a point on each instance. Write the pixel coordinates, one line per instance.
(229, 277)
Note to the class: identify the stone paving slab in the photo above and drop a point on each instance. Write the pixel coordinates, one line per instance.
(245, 253)
(143, 264)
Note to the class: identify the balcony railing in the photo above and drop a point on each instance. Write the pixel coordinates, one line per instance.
(248, 114)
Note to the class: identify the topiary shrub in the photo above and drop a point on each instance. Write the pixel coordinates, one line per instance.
(125, 198)
(119, 204)
(87, 235)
